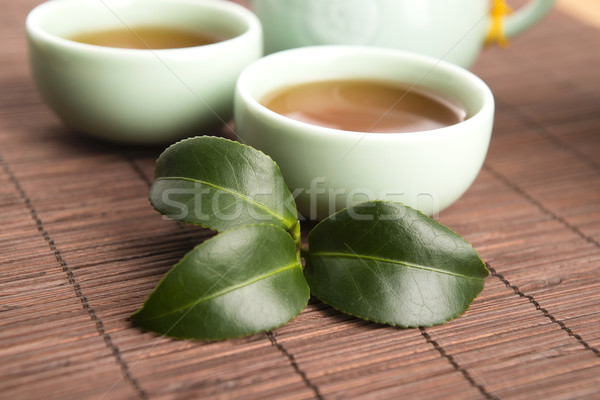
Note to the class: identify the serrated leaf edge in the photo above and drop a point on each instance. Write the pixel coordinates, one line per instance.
(214, 339)
(226, 140)
(188, 254)
(243, 335)
(223, 292)
(389, 323)
(218, 138)
(401, 325)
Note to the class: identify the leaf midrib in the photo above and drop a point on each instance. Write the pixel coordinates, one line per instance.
(238, 194)
(403, 263)
(223, 292)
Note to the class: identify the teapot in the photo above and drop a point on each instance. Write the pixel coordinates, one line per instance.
(453, 30)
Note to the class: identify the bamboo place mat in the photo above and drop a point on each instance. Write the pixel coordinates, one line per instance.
(81, 248)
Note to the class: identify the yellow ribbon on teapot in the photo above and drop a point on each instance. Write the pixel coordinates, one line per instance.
(500, 9)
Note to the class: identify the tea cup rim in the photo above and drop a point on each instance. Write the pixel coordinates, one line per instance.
(33, 28)
(487, 99)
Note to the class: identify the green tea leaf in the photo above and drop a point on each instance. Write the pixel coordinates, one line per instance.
(242, 281)
(220, 184)
(388, 263)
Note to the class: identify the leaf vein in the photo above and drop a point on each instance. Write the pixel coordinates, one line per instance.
(223, 292)
(403, 263)
(238, 194)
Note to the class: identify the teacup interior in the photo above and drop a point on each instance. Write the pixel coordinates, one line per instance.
(321, 63)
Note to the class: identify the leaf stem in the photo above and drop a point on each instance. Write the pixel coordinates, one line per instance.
(296, 233)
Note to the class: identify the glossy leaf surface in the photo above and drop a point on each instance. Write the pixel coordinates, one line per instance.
(388, 263)
(220, 184)
(242, 281)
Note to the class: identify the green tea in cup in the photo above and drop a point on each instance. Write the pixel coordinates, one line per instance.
(329, 169)
(148, 71)
(365, 106)
(146, 37)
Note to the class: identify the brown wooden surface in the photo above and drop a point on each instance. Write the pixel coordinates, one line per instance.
(80, 249)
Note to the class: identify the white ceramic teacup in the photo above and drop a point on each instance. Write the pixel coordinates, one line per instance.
(133, 95)
(454, 30)
(329, 169)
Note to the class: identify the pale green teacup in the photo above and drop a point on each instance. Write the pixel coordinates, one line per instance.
(329, 169)
(140, 95)
(453, 30)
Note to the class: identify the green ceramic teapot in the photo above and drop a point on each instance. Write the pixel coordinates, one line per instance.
(453, 30)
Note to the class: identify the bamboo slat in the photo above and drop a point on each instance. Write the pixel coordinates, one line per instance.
(81, 248)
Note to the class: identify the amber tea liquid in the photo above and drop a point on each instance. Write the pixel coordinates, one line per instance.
(144, 37)
(365, 106)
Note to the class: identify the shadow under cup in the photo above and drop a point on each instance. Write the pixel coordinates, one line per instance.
(141, 95)
(329, 169)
